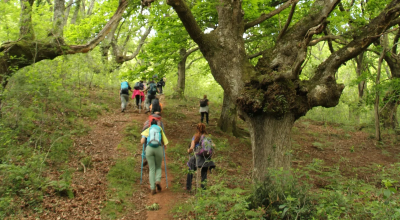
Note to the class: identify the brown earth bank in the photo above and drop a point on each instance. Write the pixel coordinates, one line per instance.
(356, 152)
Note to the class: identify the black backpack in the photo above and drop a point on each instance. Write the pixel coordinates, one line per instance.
(203, 102)
(155, 106)
(137, 85)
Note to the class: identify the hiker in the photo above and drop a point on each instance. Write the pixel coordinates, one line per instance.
(200, 159)
(156, 116)
(160, 86)
(156, 140)
(156, 106)
(124, 94)
(151, 94)
(137, 93)
(204, 108)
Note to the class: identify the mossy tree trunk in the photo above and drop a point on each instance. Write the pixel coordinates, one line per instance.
(227, 120)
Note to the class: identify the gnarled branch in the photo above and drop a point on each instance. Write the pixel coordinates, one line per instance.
(264, 17)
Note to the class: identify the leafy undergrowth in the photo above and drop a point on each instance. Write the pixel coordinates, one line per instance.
(338, 172)
(122, 178)
(37, 127)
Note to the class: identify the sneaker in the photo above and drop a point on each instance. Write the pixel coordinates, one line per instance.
(153, 191)
(158, 185)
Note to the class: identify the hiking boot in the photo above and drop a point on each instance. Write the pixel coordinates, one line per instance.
(158, 185)
(153, 191)
(145, 163)
(122, 110)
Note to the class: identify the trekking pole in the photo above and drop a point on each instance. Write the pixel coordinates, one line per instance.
(141, 169)
(165, 164)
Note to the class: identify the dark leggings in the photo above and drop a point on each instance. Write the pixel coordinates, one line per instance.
(137, 100)
(203, 178)
(202, 116)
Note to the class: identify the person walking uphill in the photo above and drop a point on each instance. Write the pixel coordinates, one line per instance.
(204, 108)
(202, 146)
(151, 94)
(124, 94)
(156, 140)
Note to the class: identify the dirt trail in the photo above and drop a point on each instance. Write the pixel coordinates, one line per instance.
(167, 198)
(90, 186)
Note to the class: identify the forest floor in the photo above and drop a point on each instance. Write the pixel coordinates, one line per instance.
(115, 138)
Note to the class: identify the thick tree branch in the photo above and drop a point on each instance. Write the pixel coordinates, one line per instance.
(288, 20)
(326, 38)
(188, 20)
(325, 73)
(190, 52)
(252, 56)
(264, 17)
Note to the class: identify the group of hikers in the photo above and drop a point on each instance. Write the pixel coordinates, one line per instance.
(143, 93)
(155, 141)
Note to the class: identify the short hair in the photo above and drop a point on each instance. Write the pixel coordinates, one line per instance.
(205, 96)
(153, 122)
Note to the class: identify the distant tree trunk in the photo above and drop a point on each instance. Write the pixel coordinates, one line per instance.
(180, 90)
(67, 10)
(378, 81)
(26, 29)
(361, 86)
(389, 111)
(91, 6)
(58, 18)
(76, 12)
(227, 120)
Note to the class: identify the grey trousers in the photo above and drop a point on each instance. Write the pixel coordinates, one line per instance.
(124, 101)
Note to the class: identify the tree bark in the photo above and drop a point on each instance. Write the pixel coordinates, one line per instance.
(361, 86)
(180, 90)
(67, 10)
(389, 110)
(271, 143)
(58, 18)
(91, 6)
(377, 83)
(76, 12)
(227, 120)
(26, 29)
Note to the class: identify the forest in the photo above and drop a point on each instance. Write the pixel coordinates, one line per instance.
(303, 99)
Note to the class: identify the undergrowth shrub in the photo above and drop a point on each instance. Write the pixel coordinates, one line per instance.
(281, 197)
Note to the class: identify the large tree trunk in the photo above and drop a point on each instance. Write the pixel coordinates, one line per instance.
(227, 120)
(361, 86)
(271, 143)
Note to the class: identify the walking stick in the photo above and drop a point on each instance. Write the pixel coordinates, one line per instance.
(165, 163)
(141, 169)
